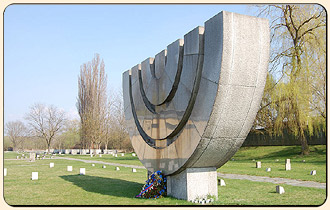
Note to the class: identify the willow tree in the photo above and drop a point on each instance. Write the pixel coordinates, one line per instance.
(92, 102)
(296, 32)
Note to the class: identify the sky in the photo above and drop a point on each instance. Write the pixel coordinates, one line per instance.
(45, 45)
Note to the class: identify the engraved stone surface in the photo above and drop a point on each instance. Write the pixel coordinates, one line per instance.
(279, 189)
(287, 165)
(34, 176)
(221, 182)
(193, 105)
(82, 171)
(258, 164)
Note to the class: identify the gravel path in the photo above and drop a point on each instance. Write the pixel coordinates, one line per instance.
(292, 182)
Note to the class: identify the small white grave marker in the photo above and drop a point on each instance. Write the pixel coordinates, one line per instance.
(280, 189)
(17, 157)
(23, 155)
(122, 154)
(258, 164)
(59, 153)
(117, 168)
(69, 168)
(93, 164)
(104, 166)
(100, 155)
(133, 154)
(133, 170)
(313, 172)
(91, 155)
(51, 165)
(5, 172)
(287, 166)
(34, 176)
(82, 171)
(221, 182)
(116, 155)
(303, 161)
(268, 169)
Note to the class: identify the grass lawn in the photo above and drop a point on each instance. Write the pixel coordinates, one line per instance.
(243, 162)
(100, 186)
(127, 159)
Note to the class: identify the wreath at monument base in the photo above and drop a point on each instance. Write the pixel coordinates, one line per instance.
(155, 186)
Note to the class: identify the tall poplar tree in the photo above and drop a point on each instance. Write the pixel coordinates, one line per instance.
(92, 102)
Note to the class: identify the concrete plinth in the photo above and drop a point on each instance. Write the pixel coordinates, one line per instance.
(193, 183)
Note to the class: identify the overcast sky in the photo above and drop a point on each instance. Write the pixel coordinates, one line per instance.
(44, 46)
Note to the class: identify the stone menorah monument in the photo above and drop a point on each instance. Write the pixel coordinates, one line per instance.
(190, 108)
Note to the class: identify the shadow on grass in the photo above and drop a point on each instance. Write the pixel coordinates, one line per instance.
(105, 186)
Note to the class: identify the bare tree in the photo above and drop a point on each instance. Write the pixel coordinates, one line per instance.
(92, 102)
(118, 136)
(16, 131)
(46, 122)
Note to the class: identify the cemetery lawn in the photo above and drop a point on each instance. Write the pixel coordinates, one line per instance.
(242, 162)
(127, 159)
(105, 186)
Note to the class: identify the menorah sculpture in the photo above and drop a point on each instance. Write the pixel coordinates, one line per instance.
(190, 108)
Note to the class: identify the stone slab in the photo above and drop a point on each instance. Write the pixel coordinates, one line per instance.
(34, 176)
(82, 171)
(193, 183)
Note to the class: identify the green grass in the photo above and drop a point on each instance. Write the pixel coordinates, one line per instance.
(243, 192)
(12, 155)
(243, 162)
(106, 186)
(127, 159)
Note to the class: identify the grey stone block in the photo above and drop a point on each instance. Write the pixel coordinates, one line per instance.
(193, 183)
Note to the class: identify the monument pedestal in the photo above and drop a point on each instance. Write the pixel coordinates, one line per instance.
(193, 183)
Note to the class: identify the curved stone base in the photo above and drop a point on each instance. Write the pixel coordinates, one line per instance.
(193, 183)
